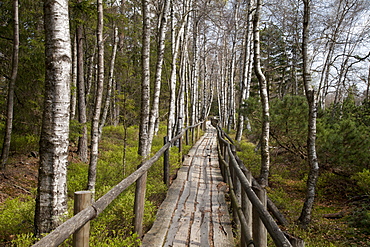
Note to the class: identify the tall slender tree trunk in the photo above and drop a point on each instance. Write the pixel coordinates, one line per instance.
(51, 200)
(305, 217)
(110, 82)
(74, 80)
(175, 38)
(159, 67)
(231, 112)
(10, 99)
(98, 103)
(265, 153)
(82, 140)
(368, 85)
(144, 121)
(246, 76)
(194, 70)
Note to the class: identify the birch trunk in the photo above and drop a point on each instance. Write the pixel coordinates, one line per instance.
(194, 71)
(10, 98)
(110, 82)
(305, 217)
(144, 121)
(74, 80)
(82, 141)
(172, 107)
(98, 102)
(265, 153)
(51, 200)
(231, 112)
(246, 76)
(182, 101)
(159, 67)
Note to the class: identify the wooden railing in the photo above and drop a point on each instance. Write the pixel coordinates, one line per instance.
(73, 224)
(249, 200)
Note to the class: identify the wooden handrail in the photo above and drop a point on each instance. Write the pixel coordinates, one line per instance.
(275, 232)
(69, 227)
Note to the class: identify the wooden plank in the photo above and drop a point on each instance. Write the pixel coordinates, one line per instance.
(222, 229)
(191, 214)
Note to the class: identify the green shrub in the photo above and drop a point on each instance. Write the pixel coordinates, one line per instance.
(363, 180)
(359, 219)
(24, 240)
(75, 129)
(76, 177)
(24, 143)
(16, 216)
(250, 158)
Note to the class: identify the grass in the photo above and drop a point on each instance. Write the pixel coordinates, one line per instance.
(114, 226)
(287, 185)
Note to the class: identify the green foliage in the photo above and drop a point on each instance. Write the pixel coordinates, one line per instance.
(117, 240)
(76, 178)
(24, 143)
(16, 216)
(359, 219)
(24, 240)
(250, 158)
(363, 180)
(342, 144)
(288, 123)
(75, 129)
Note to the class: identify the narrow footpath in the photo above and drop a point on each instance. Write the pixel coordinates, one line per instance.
(194, 212)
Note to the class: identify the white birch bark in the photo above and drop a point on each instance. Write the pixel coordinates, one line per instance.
(247, 74)
(159, 68)
(306, 214)
(143, 149)
(183, 99)
(51, 200)
(74, 80)
(195, 68)
(10, 98)
(265, 135)
(98, 102)
(110, 82)
(175, 38)
(82, 118)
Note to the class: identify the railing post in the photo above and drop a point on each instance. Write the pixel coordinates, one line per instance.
(236, 185)
(247, 210)
(259, 230)
(166, 163)
(82, 199)
(187, 137)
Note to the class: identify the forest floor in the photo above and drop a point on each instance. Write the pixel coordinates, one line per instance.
(19, 178)
(330, 224)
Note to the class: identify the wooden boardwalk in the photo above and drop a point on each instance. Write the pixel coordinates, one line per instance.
(194, 212)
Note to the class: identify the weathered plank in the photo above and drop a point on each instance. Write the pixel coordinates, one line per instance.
(194, 212)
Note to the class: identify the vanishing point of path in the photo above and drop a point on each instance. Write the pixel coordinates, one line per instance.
(194, 212)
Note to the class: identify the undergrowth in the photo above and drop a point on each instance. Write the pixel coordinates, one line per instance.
(335, 195)
(114, 226)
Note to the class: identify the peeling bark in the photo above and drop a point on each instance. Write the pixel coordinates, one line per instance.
(51, 200)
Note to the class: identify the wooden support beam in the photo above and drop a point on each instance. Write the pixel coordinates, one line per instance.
(82, 200)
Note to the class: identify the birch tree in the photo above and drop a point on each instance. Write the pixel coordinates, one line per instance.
(246, 72)
(175, 41)
(108, 97)
(265, 153)
(143, 149)
(51, 200)
(305, 217)
(82, 118)
(10, 98)
(74, 80)
(98, 102)
(163, 19)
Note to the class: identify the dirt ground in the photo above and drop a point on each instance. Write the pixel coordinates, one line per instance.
(19, 177)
